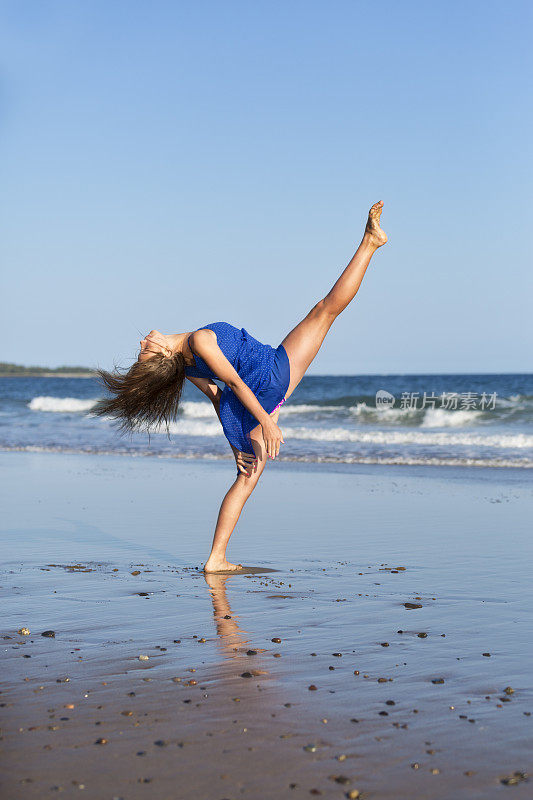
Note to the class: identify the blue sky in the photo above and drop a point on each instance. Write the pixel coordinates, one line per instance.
(170, 164)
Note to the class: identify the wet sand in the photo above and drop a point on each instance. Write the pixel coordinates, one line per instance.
(428, 700)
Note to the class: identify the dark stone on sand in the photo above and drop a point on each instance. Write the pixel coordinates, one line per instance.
(487, 655)
(312, 688)
(390, 703)
(509, 690)
(399, 631)
(422, 635)
(251, 652)
(515, 778)
(413, 605)
(101, 741)
(415, 766)
(276, 640)
(383, 713)
(356, 672)
(337, 655)
(384, 644)
(246, 675)
(136, 572)
(342, 779)
(437, 680)
(160, 743)
(49, 634)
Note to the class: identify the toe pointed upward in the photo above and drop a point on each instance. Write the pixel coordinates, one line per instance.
(373, 231)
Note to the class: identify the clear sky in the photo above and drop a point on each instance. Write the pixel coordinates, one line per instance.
(167, 164)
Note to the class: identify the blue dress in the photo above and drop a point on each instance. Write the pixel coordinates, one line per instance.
(264, 369)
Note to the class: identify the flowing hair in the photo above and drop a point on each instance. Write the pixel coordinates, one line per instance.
(145, 396)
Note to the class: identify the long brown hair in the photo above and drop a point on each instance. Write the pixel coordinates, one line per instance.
(146, 395)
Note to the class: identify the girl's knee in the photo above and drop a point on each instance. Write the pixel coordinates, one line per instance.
(247, 483)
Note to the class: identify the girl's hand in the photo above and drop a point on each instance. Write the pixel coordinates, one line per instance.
(272, 436)
(246, 463)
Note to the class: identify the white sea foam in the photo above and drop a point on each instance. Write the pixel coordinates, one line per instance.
(61, 405)
(440, 418)
(517, 440)
(306, 408)
(185, 427)
(384, 414)
(197, 410)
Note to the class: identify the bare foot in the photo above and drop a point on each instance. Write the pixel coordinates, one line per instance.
(373, 231)
(212, 565)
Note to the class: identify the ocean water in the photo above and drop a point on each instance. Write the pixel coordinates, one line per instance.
(478, 420)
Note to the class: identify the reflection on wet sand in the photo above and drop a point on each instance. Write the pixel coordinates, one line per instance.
(233, 641)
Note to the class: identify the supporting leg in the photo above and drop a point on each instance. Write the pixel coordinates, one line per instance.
(230, 511)
(304, 341)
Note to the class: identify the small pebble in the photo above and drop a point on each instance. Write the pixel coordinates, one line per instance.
(515, 778)
(276, 640)
(101, 741)
(24, 631)
(312, 688)
(143, 657)
(49, 634)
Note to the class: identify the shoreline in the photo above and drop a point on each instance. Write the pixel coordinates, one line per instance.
(475, 464)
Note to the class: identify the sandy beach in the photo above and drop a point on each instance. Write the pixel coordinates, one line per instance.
(378, 648)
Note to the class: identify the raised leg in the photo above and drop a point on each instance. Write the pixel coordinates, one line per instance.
(304, 341)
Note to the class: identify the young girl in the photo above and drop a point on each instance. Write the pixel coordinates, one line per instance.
(257, 378)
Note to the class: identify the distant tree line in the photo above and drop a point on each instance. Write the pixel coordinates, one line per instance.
(18, 369)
